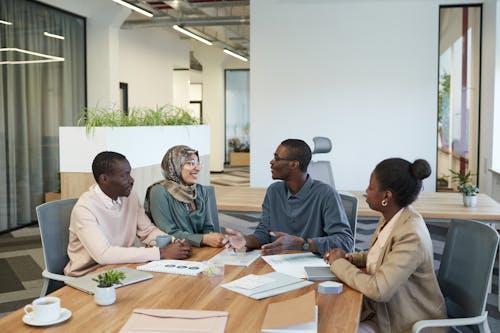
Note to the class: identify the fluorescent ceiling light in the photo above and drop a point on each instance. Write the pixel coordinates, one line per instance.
(190, 34)
(137, 9)
(45, 57)
(5, 22)
(234, 54)
(48, 34)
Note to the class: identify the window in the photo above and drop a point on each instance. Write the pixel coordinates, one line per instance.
(459, 91)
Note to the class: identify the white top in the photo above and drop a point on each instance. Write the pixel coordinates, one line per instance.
(377, 247)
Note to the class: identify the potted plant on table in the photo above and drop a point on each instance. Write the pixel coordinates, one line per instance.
(469, 190)
(105, 293)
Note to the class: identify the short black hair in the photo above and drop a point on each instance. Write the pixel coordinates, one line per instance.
(298, 150)
(104, 163)
(402, 178)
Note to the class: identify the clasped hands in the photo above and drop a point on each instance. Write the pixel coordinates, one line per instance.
(335, 254)
(178, 249)
(236, 241)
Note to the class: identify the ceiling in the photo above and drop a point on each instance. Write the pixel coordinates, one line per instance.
(224, 22)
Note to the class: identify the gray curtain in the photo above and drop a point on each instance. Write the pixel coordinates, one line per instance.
(35, 99)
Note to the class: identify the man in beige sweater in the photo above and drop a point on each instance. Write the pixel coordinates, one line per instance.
(107, 218)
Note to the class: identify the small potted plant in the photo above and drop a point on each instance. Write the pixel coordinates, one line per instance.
(469, 190)
(105, 291)
(240, 154)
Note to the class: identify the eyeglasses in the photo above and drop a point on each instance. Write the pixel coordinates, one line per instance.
(194, 163)
(277, 158)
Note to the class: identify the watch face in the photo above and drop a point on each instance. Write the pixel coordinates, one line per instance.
(306, 245)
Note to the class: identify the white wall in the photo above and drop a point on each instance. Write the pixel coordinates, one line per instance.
(214, 62)
(362, 73)
(147, 61)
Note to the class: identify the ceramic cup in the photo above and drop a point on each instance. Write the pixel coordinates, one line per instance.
(44, 309)
(163, 240)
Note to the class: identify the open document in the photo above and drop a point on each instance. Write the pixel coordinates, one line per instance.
(228, 257)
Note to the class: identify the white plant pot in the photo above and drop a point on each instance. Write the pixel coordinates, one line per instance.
(470, 200)
(105, 296)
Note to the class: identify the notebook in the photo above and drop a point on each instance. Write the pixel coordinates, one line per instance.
(299, 314)
(86, 284)
(319, 273)
(182, 267)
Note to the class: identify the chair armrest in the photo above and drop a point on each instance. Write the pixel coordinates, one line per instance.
(57, 277)
(420, 325)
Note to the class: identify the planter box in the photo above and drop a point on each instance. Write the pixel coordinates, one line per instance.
(144, 147)
(239, 159)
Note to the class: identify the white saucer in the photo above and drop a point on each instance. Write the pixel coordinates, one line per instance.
(63, 316)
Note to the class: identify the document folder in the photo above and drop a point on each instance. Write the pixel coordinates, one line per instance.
(168, 321)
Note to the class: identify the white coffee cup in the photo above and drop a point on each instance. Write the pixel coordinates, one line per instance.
(44, 309)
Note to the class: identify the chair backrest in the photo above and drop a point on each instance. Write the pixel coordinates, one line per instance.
(466, 266)
(53, 221)
(212, 207)
(321, 170)
(350, 203)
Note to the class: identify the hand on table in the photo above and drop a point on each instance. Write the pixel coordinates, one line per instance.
(335, 254)
(213, 239)
(283, 242)
(178, 249)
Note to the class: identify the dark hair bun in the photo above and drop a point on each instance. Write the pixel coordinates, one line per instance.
(420, 169)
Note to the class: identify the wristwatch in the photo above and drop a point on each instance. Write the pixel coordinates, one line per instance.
(306, 245)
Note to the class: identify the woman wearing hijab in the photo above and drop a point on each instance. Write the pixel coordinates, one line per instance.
(177, 204)
(396, 275)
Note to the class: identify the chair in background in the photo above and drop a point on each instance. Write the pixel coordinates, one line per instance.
(321, 170)
(464, 273)
(350, 203)
(212, 207)
(53, 221)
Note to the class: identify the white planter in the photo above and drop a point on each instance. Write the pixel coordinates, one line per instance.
(105, 296)
(144, 147)
(470, 200)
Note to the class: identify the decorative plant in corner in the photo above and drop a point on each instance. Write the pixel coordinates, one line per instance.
(469, 190)
(105, 292)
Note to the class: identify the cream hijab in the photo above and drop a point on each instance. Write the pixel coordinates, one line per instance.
(171, 166)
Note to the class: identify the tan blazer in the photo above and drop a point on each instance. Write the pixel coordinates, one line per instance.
(404, 288)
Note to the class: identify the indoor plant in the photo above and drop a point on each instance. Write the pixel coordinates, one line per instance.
(240, 154)
(105, 291)
(469, 190)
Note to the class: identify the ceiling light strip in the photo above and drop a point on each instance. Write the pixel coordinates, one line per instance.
(192, 35)
(5, 22)
(137, 9)
(48, 34)
(234, 54)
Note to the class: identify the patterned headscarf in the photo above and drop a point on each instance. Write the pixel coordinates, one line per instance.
(171, 166)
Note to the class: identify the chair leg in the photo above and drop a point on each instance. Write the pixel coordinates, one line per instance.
(45, 287)
(484, 327)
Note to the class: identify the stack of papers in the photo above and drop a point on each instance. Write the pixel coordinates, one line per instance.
(172, 266)
(267, 285)
(293, 264)
(299, 314)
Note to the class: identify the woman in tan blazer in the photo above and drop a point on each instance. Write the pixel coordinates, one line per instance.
(396, 275)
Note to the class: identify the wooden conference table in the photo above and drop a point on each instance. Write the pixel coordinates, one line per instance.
(432, 205)
(336, 313)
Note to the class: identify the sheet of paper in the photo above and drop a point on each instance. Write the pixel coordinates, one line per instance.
(251, 281)
(293, 264)
(228, 257)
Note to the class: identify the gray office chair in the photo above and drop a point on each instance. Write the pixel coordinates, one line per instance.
(463, 276)
(212, 207)
(321, 170)
(350, 203)
(53, 221)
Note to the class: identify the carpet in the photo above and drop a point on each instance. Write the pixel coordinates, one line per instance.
(231, 176)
